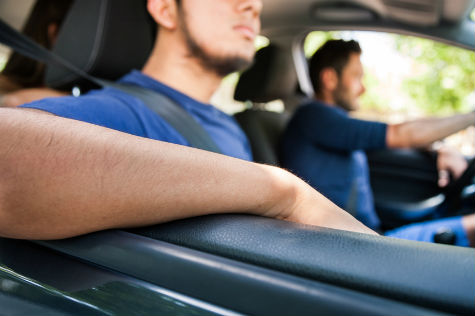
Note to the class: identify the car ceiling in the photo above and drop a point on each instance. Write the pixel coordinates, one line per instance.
(443, 20)
(412, 12)
(14, 12)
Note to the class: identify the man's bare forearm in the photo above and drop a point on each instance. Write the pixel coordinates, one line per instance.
(60, 178)
(423, 132)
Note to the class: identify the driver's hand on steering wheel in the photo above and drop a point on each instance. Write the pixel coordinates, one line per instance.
(450, 162)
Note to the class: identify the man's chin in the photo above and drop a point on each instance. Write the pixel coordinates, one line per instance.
(349, 106)
(221, 64)
(225, 65)
(355, 107)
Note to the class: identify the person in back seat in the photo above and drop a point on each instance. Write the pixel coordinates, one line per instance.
(325, 146)
(22, 79)
(60, 177)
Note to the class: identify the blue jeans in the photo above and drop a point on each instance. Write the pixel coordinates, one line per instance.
(425, 231)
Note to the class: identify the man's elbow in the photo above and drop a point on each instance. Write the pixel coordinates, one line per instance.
(396, 137)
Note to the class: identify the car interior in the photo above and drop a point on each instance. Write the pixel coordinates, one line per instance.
(241, 264)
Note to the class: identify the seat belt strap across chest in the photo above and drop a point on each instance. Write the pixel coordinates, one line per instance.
(166, 108)
(171, 112)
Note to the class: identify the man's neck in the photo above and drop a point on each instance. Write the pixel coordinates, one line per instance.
(175, 68)
(325, 98)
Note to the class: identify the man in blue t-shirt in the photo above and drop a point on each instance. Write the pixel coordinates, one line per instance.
(60, 177)
(326, 147)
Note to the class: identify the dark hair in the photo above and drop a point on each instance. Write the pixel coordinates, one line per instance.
(24, 71)
(334, 54)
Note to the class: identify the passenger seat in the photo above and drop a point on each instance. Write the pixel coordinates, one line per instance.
(271, 77)
(105, 38)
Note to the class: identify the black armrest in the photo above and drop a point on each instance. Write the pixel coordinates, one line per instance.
(432, 275)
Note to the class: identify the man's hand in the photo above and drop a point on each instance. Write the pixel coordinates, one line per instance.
(449, 163)
(296, 201)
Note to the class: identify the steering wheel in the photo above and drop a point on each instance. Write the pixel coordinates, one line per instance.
(454, 189)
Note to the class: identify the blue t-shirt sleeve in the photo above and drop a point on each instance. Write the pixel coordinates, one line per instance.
(95, 108)
(333, 128)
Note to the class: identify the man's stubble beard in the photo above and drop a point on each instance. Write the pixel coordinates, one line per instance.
(343, 99)
(220, 65)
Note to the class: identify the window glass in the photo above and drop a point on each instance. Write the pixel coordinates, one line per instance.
(14, 13)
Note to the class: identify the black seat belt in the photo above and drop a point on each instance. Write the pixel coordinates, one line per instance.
(166, 108)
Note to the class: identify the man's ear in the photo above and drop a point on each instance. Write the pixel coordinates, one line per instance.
(329, 79)
(164, 12)
(52, 33)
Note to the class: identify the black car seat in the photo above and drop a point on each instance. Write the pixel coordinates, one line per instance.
(114, 37)
(271, 77)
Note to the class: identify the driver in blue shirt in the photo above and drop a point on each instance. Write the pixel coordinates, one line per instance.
(326, 147)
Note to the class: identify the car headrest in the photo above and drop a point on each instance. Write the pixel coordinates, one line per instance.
(105, 38)
(272, 76)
